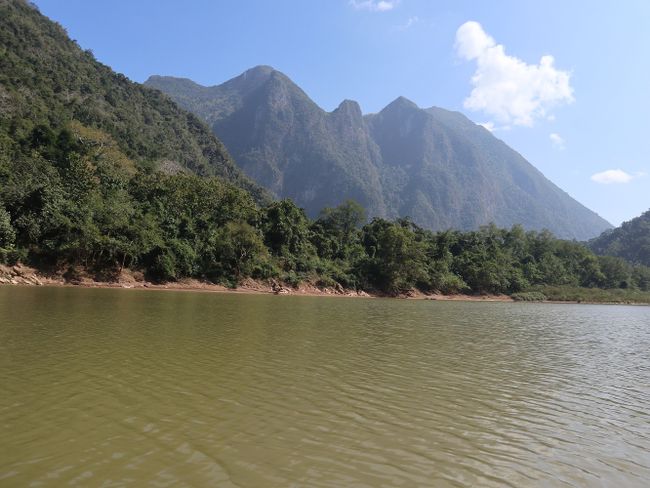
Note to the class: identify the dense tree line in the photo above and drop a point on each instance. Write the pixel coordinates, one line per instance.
(71, 198)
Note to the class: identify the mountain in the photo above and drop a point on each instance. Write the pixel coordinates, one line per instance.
(630, 241)
(432, 165)
(285, 142)
(47, 82)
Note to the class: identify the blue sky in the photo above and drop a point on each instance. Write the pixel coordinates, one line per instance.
(582, 117)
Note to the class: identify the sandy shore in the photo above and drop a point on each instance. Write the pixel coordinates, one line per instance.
(27, 276)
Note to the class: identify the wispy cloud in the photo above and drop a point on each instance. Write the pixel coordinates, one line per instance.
(374, 5)
(614, 176)
(557, 141)
(507, 88)
(408, 24)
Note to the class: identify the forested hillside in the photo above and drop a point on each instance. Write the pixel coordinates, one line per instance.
(50, 89)
(432, 165)
(630, 241)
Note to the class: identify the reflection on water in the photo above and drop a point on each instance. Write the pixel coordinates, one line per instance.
(114, 388)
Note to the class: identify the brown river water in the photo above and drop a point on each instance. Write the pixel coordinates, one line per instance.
(155, 388)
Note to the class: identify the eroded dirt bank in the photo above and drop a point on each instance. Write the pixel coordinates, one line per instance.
(25, 275)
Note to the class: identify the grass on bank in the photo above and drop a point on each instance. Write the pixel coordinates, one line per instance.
(581, 294)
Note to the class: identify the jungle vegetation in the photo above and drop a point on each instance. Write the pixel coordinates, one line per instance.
(71, 197)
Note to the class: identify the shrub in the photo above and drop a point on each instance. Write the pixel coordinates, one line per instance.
(529, 296)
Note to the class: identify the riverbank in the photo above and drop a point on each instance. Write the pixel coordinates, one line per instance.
(127, 279)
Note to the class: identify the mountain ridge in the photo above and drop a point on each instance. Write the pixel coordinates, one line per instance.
(433, 165)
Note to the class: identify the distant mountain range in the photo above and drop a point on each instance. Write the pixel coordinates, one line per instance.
(432, 165)
(630, 241)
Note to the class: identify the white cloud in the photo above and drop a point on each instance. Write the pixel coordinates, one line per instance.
(557, 141)
(507, 88)
(374, 5)
(612, 176)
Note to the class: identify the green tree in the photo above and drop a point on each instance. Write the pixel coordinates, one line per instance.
(336, 232)
(286, 229)
(235, 251)
(395, 258)
(616, 273)
(7, 232)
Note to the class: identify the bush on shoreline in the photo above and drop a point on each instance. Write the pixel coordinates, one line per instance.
(529, 296)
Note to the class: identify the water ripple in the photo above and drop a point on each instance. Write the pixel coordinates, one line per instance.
(124, 388)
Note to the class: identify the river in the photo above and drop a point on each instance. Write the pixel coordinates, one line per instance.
(104, 387)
